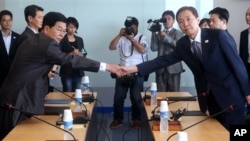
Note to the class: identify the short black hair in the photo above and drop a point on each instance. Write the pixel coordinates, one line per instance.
(51, 18)
(30, 10)
(189, 8)
(204, 20)
(222, 12)
(72, 20)
(168, 12)
(5, 12)
(131, 20)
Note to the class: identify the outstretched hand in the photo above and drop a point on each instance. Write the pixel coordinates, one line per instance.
(121, 70)
(128, 70)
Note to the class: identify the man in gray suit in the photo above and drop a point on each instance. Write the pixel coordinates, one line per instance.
(26, 85)
(168, 78)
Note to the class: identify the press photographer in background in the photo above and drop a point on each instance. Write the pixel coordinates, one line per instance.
(132, 47)
(168, 78)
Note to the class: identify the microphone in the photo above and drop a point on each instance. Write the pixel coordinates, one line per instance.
(149, 21)
(230, 107)
(145, 94)
(172, 100)
(9, 106)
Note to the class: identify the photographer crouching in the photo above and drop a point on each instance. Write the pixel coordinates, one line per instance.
(132, 47)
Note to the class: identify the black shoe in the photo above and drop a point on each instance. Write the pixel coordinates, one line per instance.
(115, 124)
(136, 123)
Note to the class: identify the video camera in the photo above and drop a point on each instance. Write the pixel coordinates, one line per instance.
(154, 25)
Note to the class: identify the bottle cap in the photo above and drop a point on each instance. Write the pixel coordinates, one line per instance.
(153, 86)
(182, 136)
(78, 93)
(67, 115)
(85, 79)
(164, 106)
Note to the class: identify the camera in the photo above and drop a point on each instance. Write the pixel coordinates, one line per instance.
(128, 23)
(129, 30)
(154, 25)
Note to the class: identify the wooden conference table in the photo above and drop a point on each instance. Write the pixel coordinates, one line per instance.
(209, 130)
(33, 129)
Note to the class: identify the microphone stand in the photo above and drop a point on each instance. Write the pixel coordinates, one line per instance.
(31, 115)
(208, 117)
(145, 94)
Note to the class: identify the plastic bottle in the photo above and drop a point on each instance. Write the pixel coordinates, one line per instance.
(164, 116)
(153, 89)
(78, 100)
(67, 119)
(85, 89)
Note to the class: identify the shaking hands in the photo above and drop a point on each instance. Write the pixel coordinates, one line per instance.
(121, 70)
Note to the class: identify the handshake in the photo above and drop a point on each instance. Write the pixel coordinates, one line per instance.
(121, 70)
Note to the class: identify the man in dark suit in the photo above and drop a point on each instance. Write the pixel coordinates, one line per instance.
(8, 43)
(26, 85)
(34, 18)
(215, 65)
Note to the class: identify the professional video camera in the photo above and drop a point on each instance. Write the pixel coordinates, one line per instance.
(154, 25)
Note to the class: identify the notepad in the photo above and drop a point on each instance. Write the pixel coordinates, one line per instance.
(57, 101)
(183, 98)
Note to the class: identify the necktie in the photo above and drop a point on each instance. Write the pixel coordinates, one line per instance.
(196, 50)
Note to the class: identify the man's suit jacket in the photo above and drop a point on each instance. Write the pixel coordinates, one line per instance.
(27, 33)
(5, 58)
(243, 49)
(222, 70)
(26, 85)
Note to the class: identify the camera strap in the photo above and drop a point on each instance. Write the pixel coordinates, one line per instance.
(132, 48)
(141, 54)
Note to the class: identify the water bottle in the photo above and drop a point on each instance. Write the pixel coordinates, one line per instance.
(67, 119)
(164, 116)
(85, 89)
(78, 100)
(153, 89)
